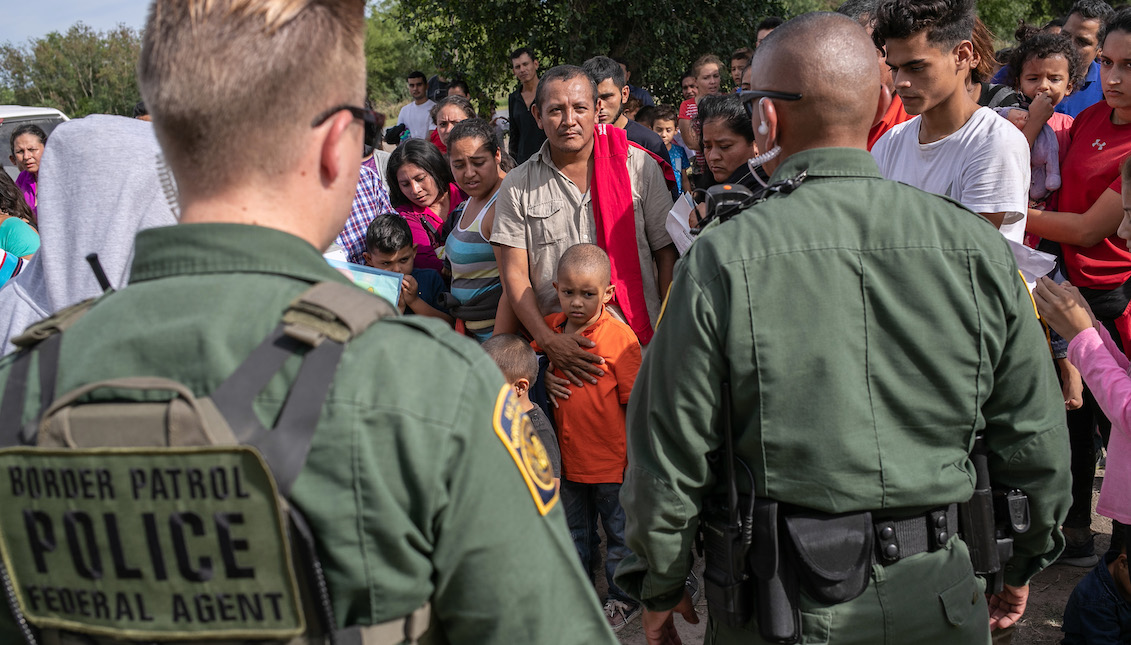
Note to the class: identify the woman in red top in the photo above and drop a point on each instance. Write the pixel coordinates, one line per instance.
(1089, 204)
(423, 192)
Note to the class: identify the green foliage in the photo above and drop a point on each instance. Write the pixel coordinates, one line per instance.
(80, 72)
(390, 54)
(792, 8)
(660, 38)
(1001, 16)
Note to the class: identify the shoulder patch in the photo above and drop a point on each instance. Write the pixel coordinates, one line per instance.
(517, 433)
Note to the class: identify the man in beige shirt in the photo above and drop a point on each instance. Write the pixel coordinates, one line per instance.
(544, 207)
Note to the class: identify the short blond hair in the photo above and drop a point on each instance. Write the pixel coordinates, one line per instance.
(233, 84)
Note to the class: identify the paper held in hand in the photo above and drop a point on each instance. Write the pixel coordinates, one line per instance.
(678, 225)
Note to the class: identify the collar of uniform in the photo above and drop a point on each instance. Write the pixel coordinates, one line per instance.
(226, 248)
(828, 162)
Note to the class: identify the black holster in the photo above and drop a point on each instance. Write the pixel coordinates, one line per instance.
(828, 556)
(989, 520)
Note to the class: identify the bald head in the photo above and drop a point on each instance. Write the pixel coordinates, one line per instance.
(829, 59)
(587, 260)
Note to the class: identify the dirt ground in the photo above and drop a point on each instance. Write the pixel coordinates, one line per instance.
(1048, 594)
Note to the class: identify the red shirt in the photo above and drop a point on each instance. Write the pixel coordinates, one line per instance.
(1090, 167)
(893, 117)
(591, 429)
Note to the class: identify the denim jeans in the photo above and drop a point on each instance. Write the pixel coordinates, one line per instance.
(583, 503)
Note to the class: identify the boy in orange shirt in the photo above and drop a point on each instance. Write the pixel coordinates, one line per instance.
(591, 422)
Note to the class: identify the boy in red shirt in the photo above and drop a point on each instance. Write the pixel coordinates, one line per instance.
(591, 422)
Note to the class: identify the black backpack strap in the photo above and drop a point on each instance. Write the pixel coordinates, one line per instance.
(316, 325)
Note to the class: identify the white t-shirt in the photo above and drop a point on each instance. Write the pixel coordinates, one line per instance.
(984, 165)
(418, 118)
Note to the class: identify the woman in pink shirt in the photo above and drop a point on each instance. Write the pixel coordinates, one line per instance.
(1106, 371)
(423, 192)
(27, 149)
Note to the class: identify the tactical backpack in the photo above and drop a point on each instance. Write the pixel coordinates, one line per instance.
(163, 516)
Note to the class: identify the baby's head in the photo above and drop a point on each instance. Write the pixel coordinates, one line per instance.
(663, 123)
(1047, 63)
(388, 244)
(1016, 116)
(584, 283)
(516, 360)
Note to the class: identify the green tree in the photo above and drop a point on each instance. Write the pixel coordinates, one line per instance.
(660, 38)
(1001, 16)
(80, 72)
(390, 54)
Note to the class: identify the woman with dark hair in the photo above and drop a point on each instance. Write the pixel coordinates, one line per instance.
(423, 192)
(727, 140)
(445, 114)
(17, 233)
(476, 295)
(1086, 222)
(27, 149)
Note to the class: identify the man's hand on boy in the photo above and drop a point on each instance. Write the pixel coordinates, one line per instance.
(567, 352)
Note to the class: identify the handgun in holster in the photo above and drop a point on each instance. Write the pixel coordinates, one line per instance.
(741, 582)
(725, 538)
(989, 520)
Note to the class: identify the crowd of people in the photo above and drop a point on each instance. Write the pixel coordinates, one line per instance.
(549, 237)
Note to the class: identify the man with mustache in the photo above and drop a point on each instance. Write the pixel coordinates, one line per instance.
(571, 192)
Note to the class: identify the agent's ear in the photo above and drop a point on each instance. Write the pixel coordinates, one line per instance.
(12, 158)
(768, 124)
(521, 387)
(367, 257)
(624, 94)
(609, 293)
(536, 112)
(339, 144)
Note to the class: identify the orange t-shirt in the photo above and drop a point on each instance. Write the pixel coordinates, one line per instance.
(591, 431)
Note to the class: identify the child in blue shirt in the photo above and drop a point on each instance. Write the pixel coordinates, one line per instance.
(663, 124)
(389, 247)
(1099, 610)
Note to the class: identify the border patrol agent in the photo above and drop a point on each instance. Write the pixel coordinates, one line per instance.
(867, 331)
(399, 488)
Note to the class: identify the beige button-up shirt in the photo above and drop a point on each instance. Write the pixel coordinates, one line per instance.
(539, 209)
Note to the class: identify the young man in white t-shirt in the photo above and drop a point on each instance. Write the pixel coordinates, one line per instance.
(417, 115)
(954, 147)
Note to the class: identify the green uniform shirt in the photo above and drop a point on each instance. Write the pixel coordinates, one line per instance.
(867, 330)
(409, 490)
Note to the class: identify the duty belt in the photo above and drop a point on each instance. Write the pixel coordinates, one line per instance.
(898, 539)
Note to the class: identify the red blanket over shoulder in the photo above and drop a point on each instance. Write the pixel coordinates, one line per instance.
(616, 224)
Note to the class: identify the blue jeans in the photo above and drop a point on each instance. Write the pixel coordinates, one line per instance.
(582, 504)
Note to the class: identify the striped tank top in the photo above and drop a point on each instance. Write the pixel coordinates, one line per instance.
(475, 273)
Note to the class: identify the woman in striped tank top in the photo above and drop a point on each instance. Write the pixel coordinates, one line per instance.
(476, 292)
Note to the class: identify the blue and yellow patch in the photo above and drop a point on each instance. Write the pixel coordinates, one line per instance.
(517, 433)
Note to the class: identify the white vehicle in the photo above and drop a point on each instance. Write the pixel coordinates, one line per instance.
(13, 116)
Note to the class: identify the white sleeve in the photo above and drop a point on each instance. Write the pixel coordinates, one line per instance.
(995, 178)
